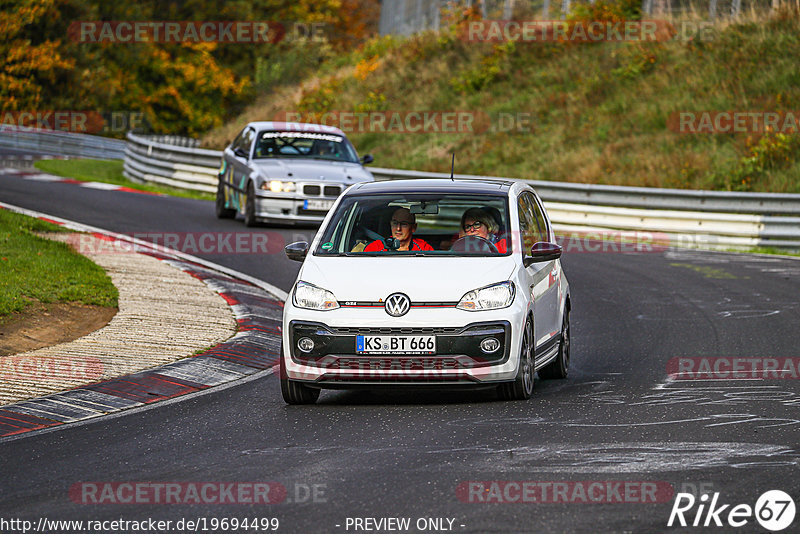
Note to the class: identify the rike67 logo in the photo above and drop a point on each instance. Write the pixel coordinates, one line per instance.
(774, 511)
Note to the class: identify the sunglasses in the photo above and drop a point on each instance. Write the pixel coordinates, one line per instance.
(474, 226)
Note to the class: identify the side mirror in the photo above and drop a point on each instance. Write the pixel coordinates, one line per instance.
(296, 251)
(543, 251)
(367, 159)
(239, 152)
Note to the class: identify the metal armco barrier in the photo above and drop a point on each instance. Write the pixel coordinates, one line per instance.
(711, 219)
(707, 219)
(167, 160)
(57, 143)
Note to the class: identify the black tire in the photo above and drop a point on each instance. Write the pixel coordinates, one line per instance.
(522, 387)
(250, 206)
(559, 368)
(295, 392)
(222, 211)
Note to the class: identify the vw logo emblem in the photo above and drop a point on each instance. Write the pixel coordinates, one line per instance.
(397, 304)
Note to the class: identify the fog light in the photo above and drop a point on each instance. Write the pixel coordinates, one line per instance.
(489, 345)
(306, 344)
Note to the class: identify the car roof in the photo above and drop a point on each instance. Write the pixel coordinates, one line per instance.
(432, 185)
(296, 127)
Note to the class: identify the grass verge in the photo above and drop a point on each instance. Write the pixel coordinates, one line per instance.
(33, 268)
(771, 250)
(109, 172)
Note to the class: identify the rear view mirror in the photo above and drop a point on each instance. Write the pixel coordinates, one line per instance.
(367, 159)
(543, 251)
(296, 251)
(239, 152)
(424, 208)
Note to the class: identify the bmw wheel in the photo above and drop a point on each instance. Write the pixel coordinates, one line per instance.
(522, 387)
(250, 206)
(223, 212)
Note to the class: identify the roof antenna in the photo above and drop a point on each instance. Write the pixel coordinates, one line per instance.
(452, 166)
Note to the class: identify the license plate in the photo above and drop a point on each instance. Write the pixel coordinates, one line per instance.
(318, 205)
(396, 344)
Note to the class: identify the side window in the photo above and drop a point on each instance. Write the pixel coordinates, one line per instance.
(527, 226)
(246, 140)
(237, 140)
(540, 218)
(535, 213)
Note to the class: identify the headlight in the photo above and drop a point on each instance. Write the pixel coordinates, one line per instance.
(276, 186)
(488, 298)
(311, 297)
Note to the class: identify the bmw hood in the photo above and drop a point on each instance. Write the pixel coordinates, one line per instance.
(313, 171)
(442, 279)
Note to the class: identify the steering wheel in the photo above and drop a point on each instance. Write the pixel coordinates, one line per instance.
(473, 244)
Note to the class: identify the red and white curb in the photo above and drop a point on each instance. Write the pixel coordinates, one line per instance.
(43, 177)
(253, 351)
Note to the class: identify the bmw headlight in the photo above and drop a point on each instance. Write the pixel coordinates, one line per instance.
(277, 186)
(491, 297)
(311, 297)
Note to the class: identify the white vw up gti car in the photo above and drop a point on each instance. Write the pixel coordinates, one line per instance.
(437, 283)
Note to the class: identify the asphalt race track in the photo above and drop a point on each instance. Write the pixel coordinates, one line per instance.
(616, 421)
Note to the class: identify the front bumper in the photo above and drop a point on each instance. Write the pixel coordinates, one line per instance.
(458, 360)
(282, 207)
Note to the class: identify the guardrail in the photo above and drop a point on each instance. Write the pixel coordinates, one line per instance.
(168, 160)
(57, 143)
(636, 197)
(709, 219)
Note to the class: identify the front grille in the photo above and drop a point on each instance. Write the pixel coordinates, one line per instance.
(457, 348)
(395, 331)
(311, 190)
(316, 213)
(384, 363)
(332, 190)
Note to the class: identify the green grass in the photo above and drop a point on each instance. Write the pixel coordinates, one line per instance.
(36, 269)
(600, 111)
(771, 250)
(109, 172)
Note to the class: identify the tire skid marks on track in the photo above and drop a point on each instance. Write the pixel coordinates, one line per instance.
(786, 266)
(255, 347)
(612, 457)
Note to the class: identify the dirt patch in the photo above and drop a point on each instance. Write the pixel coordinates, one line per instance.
(44, 325)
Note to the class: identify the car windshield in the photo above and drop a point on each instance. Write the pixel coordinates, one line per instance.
(310, 145)
(418, 225)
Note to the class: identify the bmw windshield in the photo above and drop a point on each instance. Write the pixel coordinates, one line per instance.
(306, 145)
(430, 224)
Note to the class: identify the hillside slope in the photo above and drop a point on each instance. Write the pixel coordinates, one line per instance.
(594, 113)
